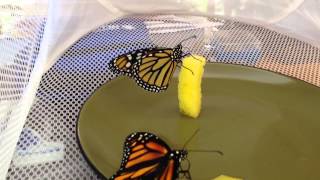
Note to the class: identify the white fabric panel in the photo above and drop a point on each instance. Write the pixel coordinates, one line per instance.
(69, 20)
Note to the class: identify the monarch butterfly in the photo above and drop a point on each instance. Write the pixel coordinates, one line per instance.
(147, 157)
(151, 68)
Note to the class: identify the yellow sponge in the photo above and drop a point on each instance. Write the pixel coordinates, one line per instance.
(189, 87)
(223, 177)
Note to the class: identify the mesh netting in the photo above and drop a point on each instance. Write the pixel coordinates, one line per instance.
(48, 145)
(20, 36)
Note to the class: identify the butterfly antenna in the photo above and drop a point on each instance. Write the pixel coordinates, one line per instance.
(187, 142)
(185, 68)
(191, 37)
(206, 151)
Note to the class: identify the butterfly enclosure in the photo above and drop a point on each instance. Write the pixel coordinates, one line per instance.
(261, 81)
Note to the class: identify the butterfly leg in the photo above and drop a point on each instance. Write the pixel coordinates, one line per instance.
(185, 68)
(185, 173)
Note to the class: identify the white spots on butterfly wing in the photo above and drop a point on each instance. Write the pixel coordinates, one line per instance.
(128, 64)
(138, 57)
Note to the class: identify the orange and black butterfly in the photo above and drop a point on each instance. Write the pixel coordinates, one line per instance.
(151, 68)
(147, 157)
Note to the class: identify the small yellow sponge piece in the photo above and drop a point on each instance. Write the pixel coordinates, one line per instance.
(189, 87)
(223, 177)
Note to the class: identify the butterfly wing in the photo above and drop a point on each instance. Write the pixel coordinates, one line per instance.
(145, 157)
(123, 64)
(154, 69)
(170, 172)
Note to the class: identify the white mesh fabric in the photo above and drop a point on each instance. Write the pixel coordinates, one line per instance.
(21, 31)
(83, 68)
(68, 20)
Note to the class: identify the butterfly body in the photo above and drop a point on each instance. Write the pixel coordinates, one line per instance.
(151, 68)
(146, 156)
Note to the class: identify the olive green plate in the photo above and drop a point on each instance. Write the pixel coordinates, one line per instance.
(267, 125)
